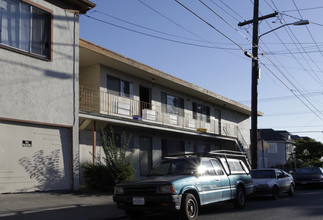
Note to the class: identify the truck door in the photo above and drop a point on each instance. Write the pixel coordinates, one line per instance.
(211, 183)
(224, 181)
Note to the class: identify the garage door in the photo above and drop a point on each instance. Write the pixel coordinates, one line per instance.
(34, 158)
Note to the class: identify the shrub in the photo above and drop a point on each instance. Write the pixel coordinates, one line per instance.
(96, 176)
(117, 166)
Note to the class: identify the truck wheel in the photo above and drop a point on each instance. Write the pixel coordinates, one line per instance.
(189, 209)
(240, 200)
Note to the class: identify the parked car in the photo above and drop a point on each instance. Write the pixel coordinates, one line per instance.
(272, 182)
(309, 176)
(183, 184)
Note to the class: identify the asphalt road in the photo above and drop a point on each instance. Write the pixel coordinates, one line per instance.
(306, 204)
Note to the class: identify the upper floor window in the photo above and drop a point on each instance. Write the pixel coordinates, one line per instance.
(272, 148)
(25, 27)
(201, 112)
(120, 87)
(172, 104)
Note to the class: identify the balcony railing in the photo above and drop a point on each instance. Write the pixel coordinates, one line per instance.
(105, 103)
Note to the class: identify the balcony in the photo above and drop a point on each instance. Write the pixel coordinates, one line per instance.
(96, 101)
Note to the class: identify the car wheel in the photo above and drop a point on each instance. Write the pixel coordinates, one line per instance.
(134, 214)
(275, 192)
(291, 190)
(189, 209)
(240, 200)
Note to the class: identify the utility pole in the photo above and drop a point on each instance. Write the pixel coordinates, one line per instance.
(254, 80)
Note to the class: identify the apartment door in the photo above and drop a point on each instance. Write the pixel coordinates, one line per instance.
(145, 98)
(145, 155)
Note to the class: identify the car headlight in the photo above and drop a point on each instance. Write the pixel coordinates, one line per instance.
(167, 189)
(118, 190)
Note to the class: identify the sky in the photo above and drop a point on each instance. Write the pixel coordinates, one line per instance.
(200, 42)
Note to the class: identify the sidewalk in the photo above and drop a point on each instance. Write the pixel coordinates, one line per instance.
(59, 205)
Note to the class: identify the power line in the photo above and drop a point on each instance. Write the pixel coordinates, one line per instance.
(158, 37)
(170, 20)
(225, 20)
(284, 98)
(291, 89)
(150, 29)
(220, 32)
(304, 9)
(308, 29)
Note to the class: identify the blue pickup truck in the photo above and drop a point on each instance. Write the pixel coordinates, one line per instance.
(184, 183)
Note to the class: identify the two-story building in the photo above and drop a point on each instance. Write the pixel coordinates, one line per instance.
(39, 69)
(164, 114)
(275, 148)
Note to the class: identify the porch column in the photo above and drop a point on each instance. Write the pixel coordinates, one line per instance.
(93, 142)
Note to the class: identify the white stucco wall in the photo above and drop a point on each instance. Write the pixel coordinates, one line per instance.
(41, 91)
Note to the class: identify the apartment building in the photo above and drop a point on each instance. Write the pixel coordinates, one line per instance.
(164, 114)
(39, 94)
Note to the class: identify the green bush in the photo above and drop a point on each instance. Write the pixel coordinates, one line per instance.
(117, 166)
(96, 176)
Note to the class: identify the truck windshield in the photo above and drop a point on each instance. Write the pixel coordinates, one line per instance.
(175, 167)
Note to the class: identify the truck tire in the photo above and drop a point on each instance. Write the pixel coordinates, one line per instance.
(240, 200)
(190, 208)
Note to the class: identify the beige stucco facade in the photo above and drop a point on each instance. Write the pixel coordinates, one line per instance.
(39, 99)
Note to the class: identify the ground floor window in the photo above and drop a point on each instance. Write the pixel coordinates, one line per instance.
(201, 148)
(172, 147)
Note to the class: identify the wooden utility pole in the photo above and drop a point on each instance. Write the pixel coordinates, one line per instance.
(254, 80)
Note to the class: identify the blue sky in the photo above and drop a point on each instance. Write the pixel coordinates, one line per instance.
(165, 35)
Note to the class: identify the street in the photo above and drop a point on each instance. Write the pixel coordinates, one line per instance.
(306, 204)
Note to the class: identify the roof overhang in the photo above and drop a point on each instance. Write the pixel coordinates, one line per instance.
(91, 54)
(80, 5)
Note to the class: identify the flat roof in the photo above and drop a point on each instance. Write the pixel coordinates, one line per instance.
(91, 54)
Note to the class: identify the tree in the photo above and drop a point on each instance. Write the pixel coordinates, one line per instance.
(309, 152)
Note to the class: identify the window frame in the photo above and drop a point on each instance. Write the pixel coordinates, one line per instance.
(166, 106)
(121, 87)
(271, 147)
(203, 115)
(170, 143)
(29, 53)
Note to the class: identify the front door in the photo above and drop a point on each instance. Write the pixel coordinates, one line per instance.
(145, 155)
(145, 98)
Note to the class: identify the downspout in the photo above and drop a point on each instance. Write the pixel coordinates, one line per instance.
(74, 102)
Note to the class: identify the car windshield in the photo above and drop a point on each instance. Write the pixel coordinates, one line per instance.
(263, 174)
(308, 170)
(175, 167)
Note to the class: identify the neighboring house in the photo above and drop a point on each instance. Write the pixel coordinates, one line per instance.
(275, 148)
(39, 69)
(164, 114)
